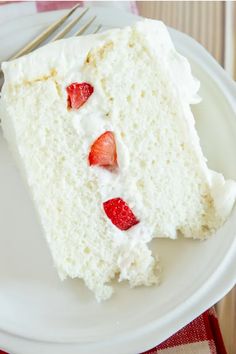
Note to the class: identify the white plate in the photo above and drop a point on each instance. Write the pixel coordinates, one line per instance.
(39, 314)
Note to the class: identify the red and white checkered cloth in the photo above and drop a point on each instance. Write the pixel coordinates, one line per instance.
(202, 335)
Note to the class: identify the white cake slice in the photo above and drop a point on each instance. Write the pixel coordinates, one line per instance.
(102, 130)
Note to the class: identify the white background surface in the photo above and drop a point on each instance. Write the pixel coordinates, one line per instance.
(35, 305)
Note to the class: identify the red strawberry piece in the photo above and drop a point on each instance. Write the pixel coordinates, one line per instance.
(119, 213)
(78, 94)
(103, 151)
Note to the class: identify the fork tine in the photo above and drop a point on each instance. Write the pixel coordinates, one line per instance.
(97, 29)
(44, 35)
(68, 27)
(83, 29)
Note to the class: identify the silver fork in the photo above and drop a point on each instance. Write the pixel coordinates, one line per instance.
(53, 27)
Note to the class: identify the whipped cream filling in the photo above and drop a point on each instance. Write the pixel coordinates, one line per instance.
(89, 125)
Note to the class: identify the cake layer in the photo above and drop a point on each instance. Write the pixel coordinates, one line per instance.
(141, 91)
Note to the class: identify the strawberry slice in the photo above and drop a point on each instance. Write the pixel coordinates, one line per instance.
(78, 94)
(120, 214)
(103, 151)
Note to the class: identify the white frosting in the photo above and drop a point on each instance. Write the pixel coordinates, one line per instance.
(223, 192)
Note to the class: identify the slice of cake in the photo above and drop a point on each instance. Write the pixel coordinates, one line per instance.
(102, 130)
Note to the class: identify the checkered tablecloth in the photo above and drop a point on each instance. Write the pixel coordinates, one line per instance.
(202, 335)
